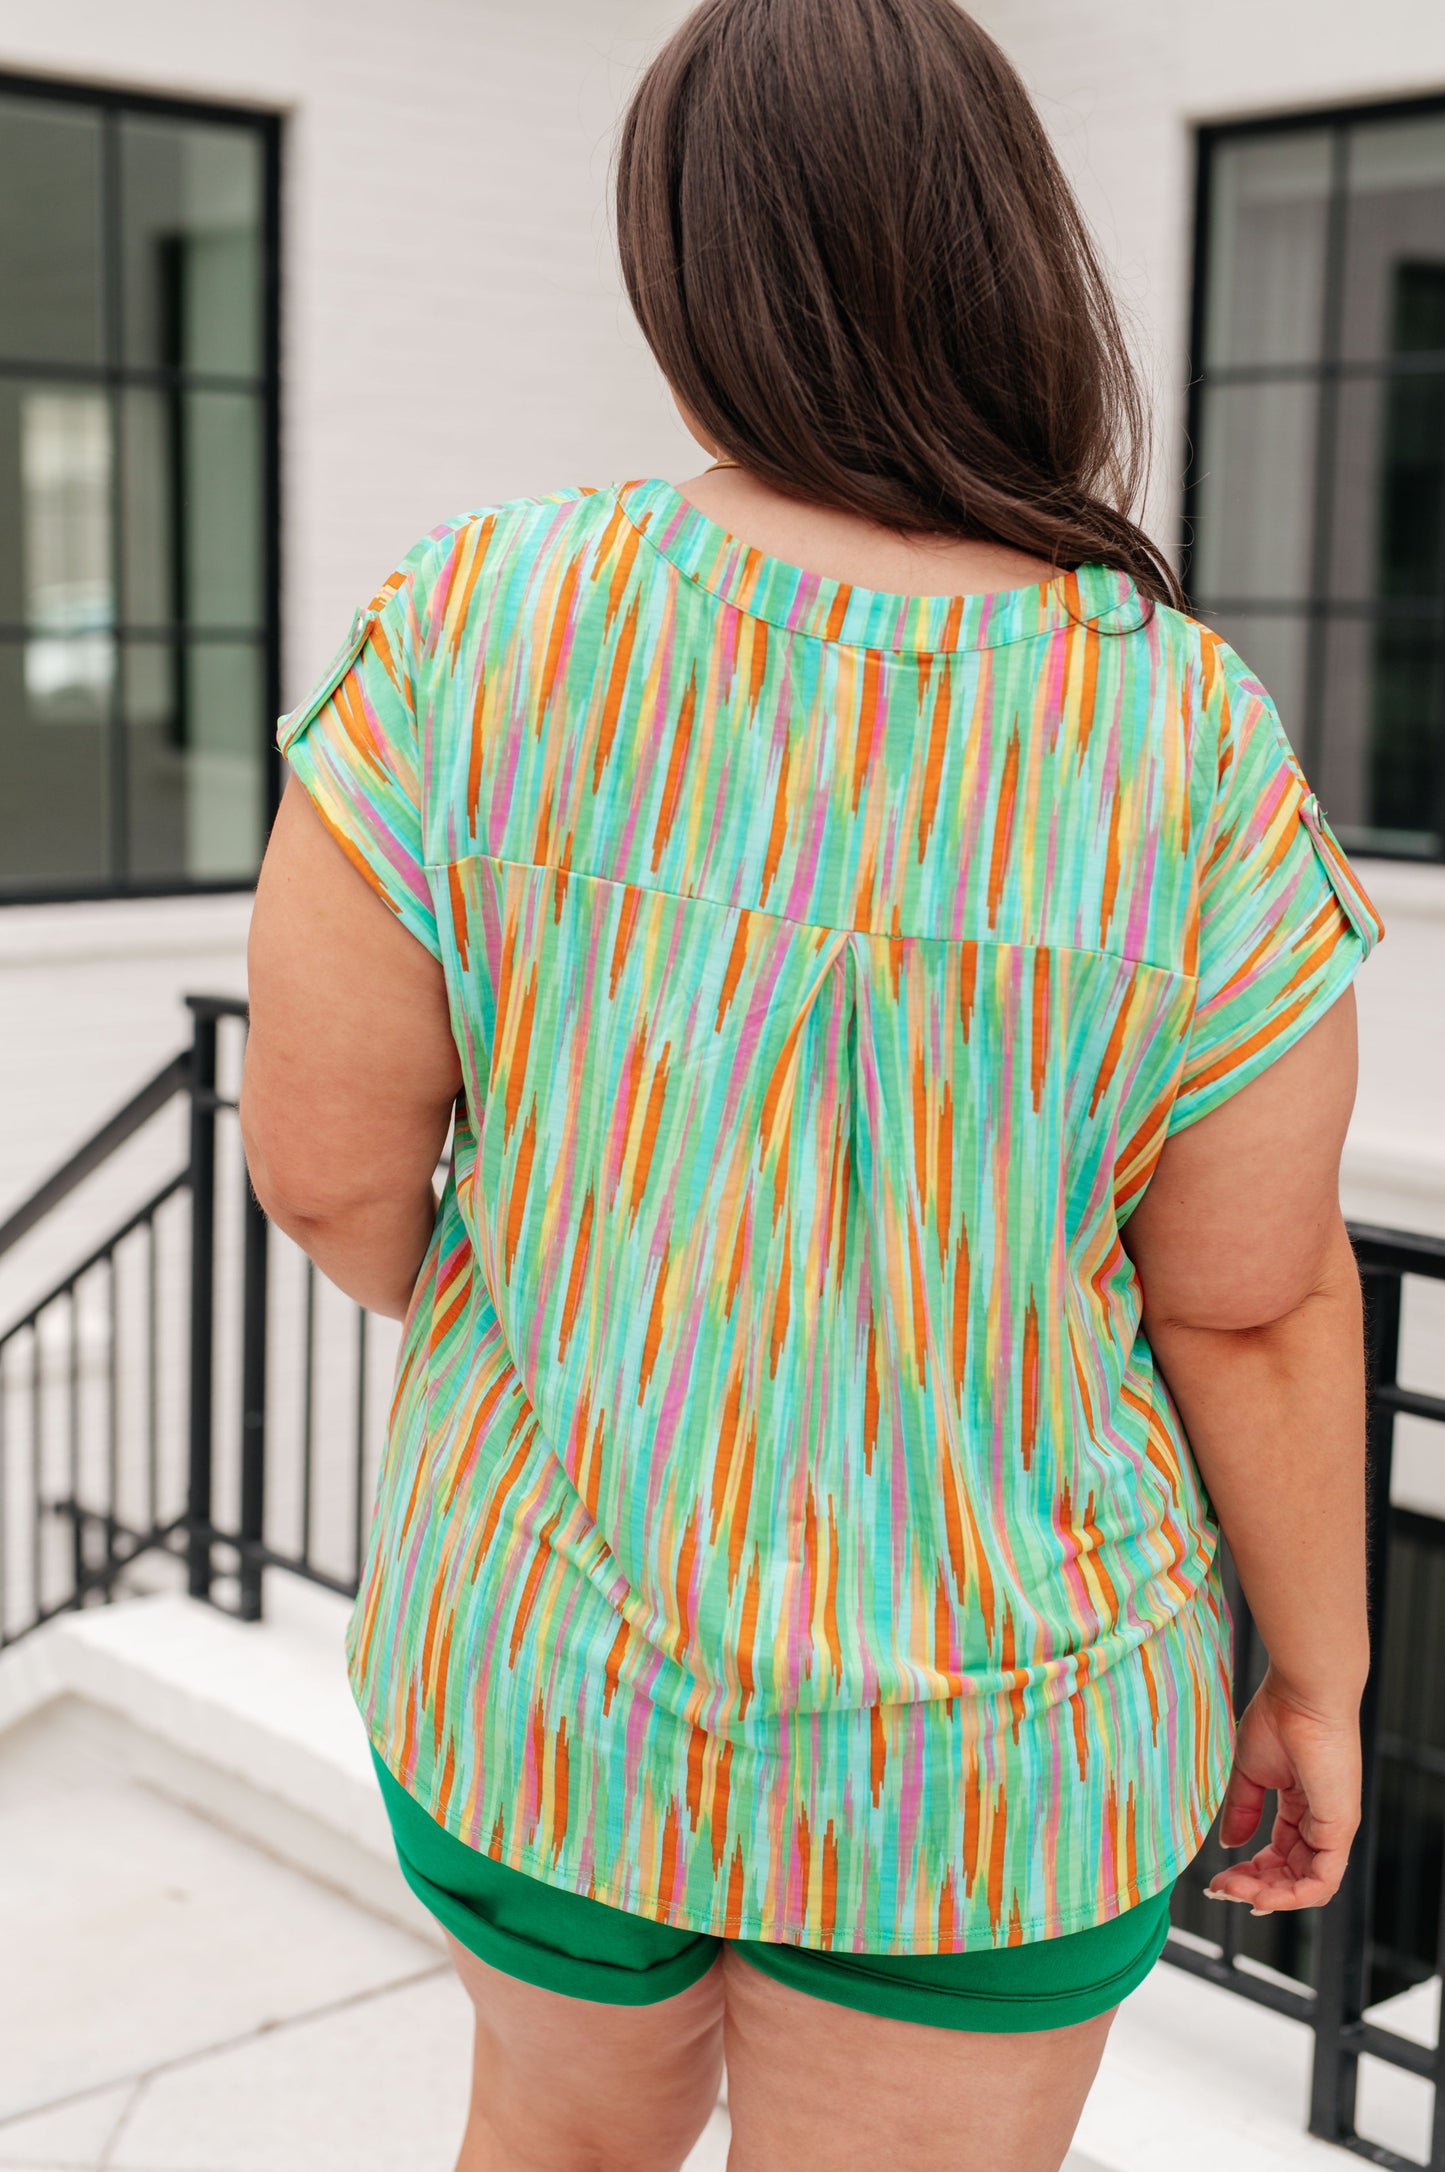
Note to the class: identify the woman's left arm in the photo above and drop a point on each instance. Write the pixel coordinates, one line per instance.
(351, 1070)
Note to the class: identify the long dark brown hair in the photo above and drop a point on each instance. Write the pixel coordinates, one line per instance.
(859, 265)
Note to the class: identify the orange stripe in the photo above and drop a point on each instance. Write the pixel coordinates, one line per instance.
(594, 1468)
(686, 1557)
(517, 1061)
(651, 1126)
(574, 1280)
(677, 763)
(458, 606)
(521, 1180)
(718, 1813)
(782, 1302)
(737, 957)
(671, 1840)
(919, 1296)
(696, 1755)
(777, 835)
(953, 1524)
(652, 1341)
(967, 984)
(556, 637)
(561, 1787)
(622, 941)
(972, 1819)
(933, 761)
(613, 699)
(1111, 865)
(996, 1841)
(1088, 692)
(871, 1395)
(758, 661)
(733, 1915)
(921, 1129)
(722, 1460)
(528, 1599)
(626, 559)
(474, 760)
(867, 719)
(1113, 1049)
(1030, 1381)
(1039, 1042)
(961, 1276)
(735, 1269)
(617, 520)
(747, 1630)
(504, 1487)
(1003, 827)
(612, 1671)
(829, 1913)
(831, 1632)
(943, 1148)
(877, 1753)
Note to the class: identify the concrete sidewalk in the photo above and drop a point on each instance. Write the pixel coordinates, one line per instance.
(175, 1999)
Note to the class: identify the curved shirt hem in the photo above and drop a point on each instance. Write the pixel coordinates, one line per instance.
(1186, 1841)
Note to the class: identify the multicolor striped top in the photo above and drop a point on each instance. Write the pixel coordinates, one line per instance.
(783, 1531)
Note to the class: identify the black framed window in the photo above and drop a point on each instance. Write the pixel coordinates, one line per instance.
(139, 640)
(1315, 495)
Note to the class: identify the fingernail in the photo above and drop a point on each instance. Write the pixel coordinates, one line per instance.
(1261, 1911)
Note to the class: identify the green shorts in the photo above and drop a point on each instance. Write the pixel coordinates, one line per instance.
(565, 1942)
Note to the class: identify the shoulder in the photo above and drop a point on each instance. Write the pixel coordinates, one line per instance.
(1229, 712)
(515, 527)
(491, 557)
(1217, 677)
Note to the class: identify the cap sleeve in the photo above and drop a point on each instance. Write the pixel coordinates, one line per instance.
(1283, 921)
(355, 744)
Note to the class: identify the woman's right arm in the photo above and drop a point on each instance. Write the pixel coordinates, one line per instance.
(1252, 1309)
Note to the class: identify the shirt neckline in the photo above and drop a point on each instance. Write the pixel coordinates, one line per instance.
(840, 611)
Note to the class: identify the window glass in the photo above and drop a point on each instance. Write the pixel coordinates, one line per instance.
(1318, 462)
(150, 511)
(1379, 772)
(50, 232)
(55, 541)
(1394, 284)
(195, 761)
(137, 615)
(191, 213)
(1255, 506)
(53, 759)
(1388, 540)
(193, 542)
(1269, 201)
(221, 494)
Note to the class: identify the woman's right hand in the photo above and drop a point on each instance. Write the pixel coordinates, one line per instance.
(1309, 1753)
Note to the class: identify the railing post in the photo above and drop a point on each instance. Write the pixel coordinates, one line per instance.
(253, 1408)
(1342, 1983)
(203, 1301)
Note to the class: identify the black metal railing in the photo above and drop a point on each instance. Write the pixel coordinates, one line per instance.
(1327, 1967)
(158, 1418)
(158, 1402)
